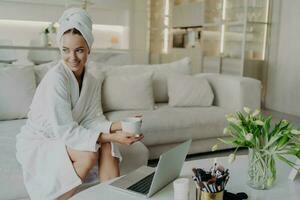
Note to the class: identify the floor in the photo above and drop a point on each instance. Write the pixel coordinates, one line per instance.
(294, 120)
(277, 116)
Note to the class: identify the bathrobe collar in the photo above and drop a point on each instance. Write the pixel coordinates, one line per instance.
(78, 93)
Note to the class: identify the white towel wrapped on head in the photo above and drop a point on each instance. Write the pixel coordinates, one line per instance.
(79, 19)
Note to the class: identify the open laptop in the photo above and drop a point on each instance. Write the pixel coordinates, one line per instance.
(146, 181)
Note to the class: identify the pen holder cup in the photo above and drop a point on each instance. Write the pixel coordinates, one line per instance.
(200, 195)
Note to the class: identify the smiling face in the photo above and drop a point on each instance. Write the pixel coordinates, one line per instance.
(74, 52)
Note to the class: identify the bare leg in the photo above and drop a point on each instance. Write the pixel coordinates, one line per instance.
(108, 165)
(82, 163)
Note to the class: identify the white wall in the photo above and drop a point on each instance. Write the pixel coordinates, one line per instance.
(283, 93)
(130, 15)
(139, 37)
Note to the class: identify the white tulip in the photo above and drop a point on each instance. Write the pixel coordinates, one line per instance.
(229, 116)
(231, 158)
(295, 132)
(259, 122)
(226, 131)
(214, 148)
(249, 136)
(255, 113)
(247, 110)
(233, 120)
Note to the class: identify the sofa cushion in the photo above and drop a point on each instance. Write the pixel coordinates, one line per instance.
(167, 124)
(161, 72)
(41, 70)
(103, 59)
(184, 90)
(127, 92)
(11, 179)
(17, 87)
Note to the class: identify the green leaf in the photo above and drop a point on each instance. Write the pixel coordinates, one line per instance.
(272, 141)
(283, 140)
(275, 130)
(267, 128)
(294, 152)
(290, 163)
(229, 142)
(235, 128)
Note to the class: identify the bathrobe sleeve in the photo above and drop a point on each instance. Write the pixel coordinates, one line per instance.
(59, 112)
(94, 118)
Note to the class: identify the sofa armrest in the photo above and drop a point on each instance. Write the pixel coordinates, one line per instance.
(234, 92)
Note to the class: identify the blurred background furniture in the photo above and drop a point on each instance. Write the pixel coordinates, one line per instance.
(7, 55)
(41, 56)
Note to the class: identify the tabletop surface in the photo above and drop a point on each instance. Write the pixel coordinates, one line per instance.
(283, 188)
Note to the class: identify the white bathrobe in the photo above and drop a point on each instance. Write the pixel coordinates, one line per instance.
(60, 117)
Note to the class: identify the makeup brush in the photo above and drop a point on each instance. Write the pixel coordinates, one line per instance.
(211, 183)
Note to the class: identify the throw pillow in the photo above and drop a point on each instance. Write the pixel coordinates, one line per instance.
(110, 58)
(41, 70)
(127, 92)
(189, 91)
(17, 87)
(160, 74)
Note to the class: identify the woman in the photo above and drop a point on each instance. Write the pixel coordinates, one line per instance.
(66, 133)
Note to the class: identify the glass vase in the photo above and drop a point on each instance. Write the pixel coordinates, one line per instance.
(262, 169)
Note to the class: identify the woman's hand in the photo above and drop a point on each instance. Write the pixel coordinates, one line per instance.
(126, 138)
(117, 126)
(121, 138)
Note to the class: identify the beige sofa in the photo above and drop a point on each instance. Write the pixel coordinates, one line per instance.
(164, 125)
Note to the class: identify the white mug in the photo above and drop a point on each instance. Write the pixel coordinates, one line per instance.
(181, 189)
(132, 125)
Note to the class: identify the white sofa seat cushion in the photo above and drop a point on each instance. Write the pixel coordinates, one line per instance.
(11, 178)
(167, 124)
(17, 87)
(160, 74)
(184, 90)
(127, 92)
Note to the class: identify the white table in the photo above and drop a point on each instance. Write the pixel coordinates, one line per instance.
(283, 190)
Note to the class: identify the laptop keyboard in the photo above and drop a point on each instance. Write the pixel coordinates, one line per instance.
(142, 186)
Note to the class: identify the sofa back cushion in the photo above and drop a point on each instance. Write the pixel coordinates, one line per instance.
(127, 92)
(41, 70)
(186, 91)
(160, 74)
(17, 87)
